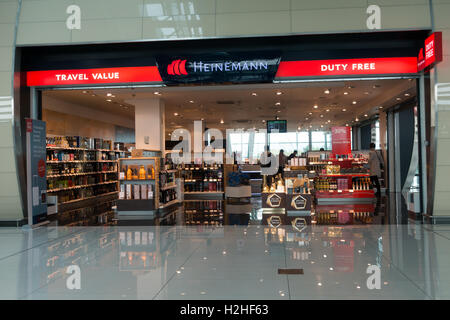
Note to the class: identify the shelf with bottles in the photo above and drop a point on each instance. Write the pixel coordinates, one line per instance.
(71, 196)
(138, 184)
(202, 178)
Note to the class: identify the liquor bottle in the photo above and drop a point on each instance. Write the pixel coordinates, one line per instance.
(129, 174)
(142, 173)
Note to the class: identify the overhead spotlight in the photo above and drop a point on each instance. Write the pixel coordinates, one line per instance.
(109, 100)
(327, 91)
(321, 125)
(344, 110)
(316, 106)
(278, 103)
(298, 128)
(346, 93)
(310, 113)
(398, 99)
(254, 94)
(263, 121)
(356, 119)
(366, 115)
(354, 102)
(191, 101)
(279, 93)
(329, 121)
(328, 110)
(221, 121)
(321, 115)
(109, 94)
(407, 94)
(157, 93)
(306, 118)
(380, 107)
(176, 114)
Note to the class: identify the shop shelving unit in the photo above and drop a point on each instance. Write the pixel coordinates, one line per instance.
(140, 205)
(66, 165)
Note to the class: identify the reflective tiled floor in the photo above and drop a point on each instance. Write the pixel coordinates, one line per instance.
(226, 262)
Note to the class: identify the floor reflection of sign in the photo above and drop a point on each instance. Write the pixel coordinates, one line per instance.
(299, 202)
(299, 224)
(274, 200)
(274, 221)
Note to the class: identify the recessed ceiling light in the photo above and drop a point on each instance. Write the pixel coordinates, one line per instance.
(350, 87)
(109, 100)
(278, 103)
(175, 114)
(279, 93)
(109, 94)
(310, 113)
(344, 109)
(366, 115)
(221, 121)
(278, 111)
(354, 102)
(327, 91)
(310, 126)
(328, 110)
(254, 94)
(346, 124)
(407, 94)
(321, 125)
(264, 121)
(329, 121)
(316, 106)
(298, 128)
(170, 134)
(381, 107)
(306, 118)
(84, 91)
(191, 101)
(398, 99)
(157, 92)
(346, 93)
(356, 119)
(321, 115)
(202, 119)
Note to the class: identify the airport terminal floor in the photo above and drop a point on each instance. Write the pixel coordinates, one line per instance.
(247, 257)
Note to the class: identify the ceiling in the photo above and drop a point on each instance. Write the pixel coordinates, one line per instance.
(248, 106)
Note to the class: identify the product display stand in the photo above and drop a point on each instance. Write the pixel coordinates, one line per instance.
(139, 186)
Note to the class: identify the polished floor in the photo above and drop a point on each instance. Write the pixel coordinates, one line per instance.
(226, 262)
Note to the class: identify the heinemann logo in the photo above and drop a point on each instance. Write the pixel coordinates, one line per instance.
(177, 67)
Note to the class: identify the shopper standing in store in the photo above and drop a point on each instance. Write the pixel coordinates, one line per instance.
(282, 161)
(292, 155)
(375, 164)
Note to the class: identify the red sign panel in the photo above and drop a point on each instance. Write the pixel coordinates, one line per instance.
(341, 140)
(340, 67)
(93, 76)
(431, 53)
(29, 123)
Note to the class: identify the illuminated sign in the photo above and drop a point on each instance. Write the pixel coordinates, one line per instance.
(93, 76)
(364, 66)
(274, 200)
(299, 202)
(431, 53)
(235, 67)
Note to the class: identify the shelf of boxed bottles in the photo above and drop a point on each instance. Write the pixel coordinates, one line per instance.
(78, 174)
(81, 186)
(85, 149)
(79, 161)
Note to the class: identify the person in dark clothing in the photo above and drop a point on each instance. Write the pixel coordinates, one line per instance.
(292, 155)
